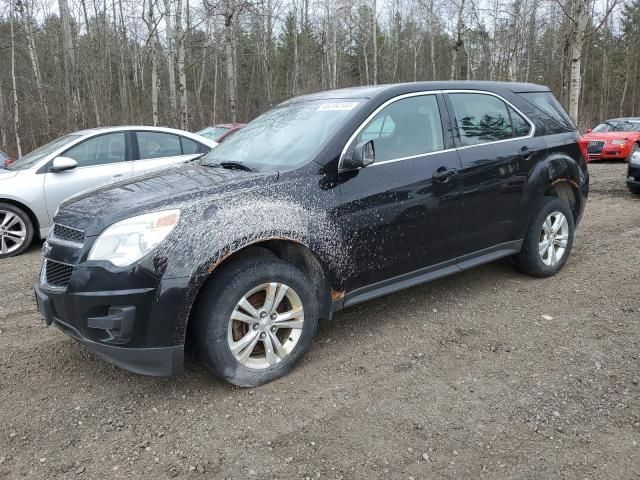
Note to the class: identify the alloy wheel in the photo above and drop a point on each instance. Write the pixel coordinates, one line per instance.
(554, 238)
(13, 232)
(266, 325)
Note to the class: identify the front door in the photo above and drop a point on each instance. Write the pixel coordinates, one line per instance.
(101, 159)
(403, 212)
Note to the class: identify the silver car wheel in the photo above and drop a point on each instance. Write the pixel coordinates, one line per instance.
(554, 238)
(266, 325)
(13, 232)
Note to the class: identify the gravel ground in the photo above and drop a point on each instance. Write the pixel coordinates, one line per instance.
(485, 374)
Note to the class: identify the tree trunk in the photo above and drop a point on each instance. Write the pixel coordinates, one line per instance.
(231, 68)
(374, 34)
(16, 111)
(458, 42)
(3, 131)
(33, 56)
(153, 49)
(184, 113)
(576, 42)
(173, 103)
(71, 95)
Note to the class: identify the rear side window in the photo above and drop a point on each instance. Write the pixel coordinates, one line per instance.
(405, 128)
(521, 128)
(546, 103)
(481, 118)
(158, 145)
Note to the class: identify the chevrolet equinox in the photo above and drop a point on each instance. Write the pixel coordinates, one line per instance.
(323, 202)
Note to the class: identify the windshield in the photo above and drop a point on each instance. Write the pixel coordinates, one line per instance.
(212, 133)
(284, 137)
(618, 126)
(38, 154)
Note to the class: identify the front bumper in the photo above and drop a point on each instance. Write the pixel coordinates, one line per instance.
(611, 152)
(140, 327)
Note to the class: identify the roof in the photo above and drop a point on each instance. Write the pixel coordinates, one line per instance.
(99, 130)
(398, 88)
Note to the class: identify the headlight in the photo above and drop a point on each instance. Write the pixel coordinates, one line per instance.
(635, 158)
(129, 240)
(618, 142)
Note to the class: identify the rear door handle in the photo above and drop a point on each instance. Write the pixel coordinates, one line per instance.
(444, 174)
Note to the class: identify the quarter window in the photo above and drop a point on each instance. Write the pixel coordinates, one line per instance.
(158, 145)
(109, 148)
(407, 127)
(482, 118)
(189, 147)
(521, 127)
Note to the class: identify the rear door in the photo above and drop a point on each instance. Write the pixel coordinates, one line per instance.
(160, 149)
(497, 149)
(403, 212)
(101, 159)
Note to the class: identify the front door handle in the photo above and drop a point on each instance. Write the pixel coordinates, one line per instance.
(444, 174)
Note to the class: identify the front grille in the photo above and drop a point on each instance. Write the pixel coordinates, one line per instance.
(57, 274)
(595, 147)
(68, 234)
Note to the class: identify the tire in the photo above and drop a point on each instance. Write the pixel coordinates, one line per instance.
(214, 329)
(16, 230)
(531, 259)
(635, 189)
(634, 149)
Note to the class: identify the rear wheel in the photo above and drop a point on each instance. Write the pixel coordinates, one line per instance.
(16, 230)
(548, 241)
(255, 319)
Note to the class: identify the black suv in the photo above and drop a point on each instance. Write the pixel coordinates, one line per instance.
(325, 201)
(633, 173)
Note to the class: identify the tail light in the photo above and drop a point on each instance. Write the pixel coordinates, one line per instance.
(8, 161)
(584, 144)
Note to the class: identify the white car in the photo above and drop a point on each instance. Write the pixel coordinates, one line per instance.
(32, 187)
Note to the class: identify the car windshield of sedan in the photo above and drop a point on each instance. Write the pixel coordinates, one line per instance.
(38, 154)
(618, 126)
(284, 137)
(212, 133)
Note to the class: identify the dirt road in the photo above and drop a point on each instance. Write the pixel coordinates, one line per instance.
(486, 374)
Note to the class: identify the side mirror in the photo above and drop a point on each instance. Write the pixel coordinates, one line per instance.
(61, 164)
(363, 154)
(589, 130)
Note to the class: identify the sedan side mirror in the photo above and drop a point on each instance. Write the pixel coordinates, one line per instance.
(61, 164)
(364, 154)
(589, 130)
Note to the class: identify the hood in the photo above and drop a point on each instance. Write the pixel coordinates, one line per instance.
(183, 186)
(607, 136)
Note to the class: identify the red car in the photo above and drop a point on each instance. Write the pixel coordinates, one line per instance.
(615, 139)
(219, 132)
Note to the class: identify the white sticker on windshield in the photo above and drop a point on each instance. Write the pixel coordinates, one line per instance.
(337, 106)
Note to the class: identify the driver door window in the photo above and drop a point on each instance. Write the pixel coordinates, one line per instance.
(406, 128)
(100, 150)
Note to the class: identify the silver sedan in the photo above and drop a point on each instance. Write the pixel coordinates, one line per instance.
(32, 187)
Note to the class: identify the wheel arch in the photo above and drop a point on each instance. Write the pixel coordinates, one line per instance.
(292, 251)
(559, 175)
(30, 213)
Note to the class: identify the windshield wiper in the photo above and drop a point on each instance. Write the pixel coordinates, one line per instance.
(236, 166)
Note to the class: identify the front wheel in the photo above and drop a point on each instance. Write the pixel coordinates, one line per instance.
(255, 319)
(548, 241)
(16, 230)
(635, 189)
